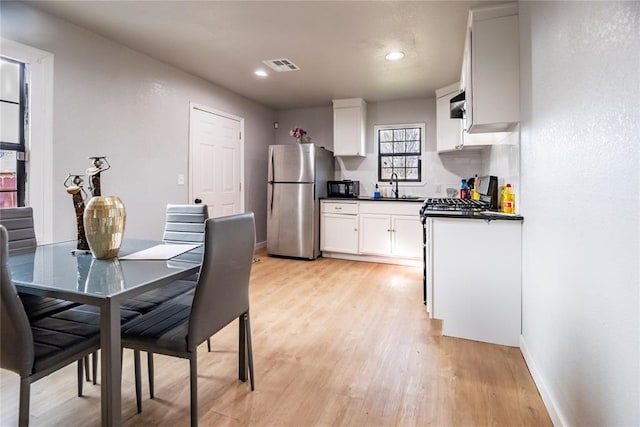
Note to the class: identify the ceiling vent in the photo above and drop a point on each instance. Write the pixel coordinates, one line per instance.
(281, 65)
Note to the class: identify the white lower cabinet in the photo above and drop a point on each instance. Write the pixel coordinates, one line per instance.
(390, 235)
(375, 234)
(406, 238)
(374, 231)
(474, 278)
(339, 233)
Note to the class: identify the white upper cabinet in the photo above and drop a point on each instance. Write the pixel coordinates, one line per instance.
(449, 131)
(490, 71)
(349, 127)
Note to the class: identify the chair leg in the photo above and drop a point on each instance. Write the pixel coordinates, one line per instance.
(209, 345)
(242, 350)
(94, 357)
(193, 364)
(249, 350)
(80, 379)
(150, 372)
(136, 367)
(87, 371)
(23, 414)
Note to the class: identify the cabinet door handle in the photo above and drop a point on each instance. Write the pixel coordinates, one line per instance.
(389, 230)
(338, 208)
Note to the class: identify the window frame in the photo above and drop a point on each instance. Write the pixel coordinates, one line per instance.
(422, 127)
(21, 146)
(39, 140)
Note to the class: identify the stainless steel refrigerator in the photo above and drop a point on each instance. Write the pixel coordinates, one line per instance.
(297, 180)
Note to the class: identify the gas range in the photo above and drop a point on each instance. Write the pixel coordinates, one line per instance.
(444, 206)
(451, 206)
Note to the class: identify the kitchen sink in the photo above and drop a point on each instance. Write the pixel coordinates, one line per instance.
(393, 199)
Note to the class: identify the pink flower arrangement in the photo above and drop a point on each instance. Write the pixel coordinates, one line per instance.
(297, 133)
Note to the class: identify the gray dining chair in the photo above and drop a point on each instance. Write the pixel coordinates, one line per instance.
(38, 348)
(185, 223)
(22, 238)
(19, 225)
(177, 328)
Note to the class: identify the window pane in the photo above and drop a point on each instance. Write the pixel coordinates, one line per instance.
(8, 200)
(9, 81)
(413, 134)
(8, 179)
(8, 162)
(398, 162)
(386, 135)
(386, 173)
(400, 173)
(386, 147)
(9, 122)
(412, 161)
(412, 147)
(412, 173)
(398, 135)
(398, 147)
(386, 161)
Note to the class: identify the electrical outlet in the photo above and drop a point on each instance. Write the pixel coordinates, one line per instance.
(439, 188)
(180, 179)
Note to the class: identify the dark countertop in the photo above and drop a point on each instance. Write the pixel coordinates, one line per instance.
(380, 199)
(487, 215)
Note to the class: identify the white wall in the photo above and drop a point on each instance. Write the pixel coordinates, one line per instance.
(317, 121)
(446, 169)
(580, 86)
(110, 100)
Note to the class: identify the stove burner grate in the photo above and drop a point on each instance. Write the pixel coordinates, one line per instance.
(453, 204)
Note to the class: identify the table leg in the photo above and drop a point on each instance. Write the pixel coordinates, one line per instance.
(111, 364)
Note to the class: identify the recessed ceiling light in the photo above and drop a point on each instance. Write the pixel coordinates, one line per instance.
(261, 73)
(394, 56)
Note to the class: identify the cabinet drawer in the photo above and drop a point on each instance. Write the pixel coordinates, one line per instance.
(340, 208)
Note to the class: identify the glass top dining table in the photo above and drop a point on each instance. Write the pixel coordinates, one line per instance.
(55, 270)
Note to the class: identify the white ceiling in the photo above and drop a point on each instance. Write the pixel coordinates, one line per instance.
(339, 45)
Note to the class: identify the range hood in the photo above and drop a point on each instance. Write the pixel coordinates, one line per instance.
(456, 106)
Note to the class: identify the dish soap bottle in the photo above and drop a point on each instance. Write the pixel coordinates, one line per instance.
(376, 193)
(475, 195)
(463, 189)
(508, 200)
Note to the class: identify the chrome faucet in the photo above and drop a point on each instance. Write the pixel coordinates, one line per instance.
(396, 190)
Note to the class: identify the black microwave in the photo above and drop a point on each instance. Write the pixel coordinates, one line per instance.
(346, 188)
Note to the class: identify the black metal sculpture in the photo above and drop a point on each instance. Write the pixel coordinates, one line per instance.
(74, 185)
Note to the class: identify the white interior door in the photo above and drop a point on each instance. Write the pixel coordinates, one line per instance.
(216, 161)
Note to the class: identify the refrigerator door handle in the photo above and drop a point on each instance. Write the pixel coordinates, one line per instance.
(271, 204)
(271, 171)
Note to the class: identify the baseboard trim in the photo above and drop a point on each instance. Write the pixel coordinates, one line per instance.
(549, 402)
(373, 258)
(260, 245)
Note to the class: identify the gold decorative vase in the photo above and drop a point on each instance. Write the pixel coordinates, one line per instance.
(104, 220)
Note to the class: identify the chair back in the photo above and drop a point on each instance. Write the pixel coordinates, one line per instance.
(16, 339)
(185, 224)
(19, 225)
(222, 292)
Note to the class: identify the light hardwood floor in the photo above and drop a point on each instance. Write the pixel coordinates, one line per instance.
(335, 343)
